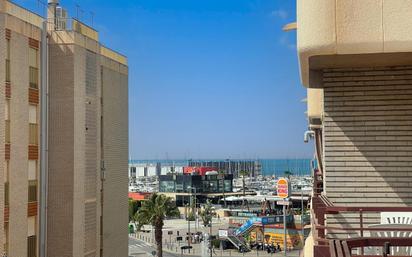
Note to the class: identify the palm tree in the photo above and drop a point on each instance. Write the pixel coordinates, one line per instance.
(288, 174)
(133, 208)
(207, 213)
(153, 212)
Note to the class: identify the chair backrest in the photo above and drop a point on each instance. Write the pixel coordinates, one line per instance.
(396, 218)
(405, 251)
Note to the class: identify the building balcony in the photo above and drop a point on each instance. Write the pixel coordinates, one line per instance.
(357, 232)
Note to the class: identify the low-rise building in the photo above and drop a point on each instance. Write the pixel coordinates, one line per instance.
(183, 187)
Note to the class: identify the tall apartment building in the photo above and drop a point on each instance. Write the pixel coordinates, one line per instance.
(65, 141)
(355, 60)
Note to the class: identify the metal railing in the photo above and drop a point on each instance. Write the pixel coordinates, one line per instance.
(322, 235)
(71, 24)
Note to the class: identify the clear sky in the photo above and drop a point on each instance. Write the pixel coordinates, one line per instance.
(207, 78)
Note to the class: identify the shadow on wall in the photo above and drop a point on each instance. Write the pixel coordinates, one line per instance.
(368, 139)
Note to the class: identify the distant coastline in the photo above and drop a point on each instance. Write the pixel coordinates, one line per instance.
(277, 167)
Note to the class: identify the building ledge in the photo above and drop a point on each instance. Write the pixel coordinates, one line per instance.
(351, 28)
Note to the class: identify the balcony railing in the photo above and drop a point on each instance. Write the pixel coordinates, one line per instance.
(366, 243)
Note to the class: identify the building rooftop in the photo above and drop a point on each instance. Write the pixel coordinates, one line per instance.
(71, 24)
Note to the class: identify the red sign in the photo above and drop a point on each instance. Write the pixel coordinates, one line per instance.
(283, 188)
(197, 170)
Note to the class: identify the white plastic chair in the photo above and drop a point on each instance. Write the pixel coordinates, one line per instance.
(393, 220)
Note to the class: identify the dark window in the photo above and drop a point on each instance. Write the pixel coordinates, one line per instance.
(34, 77)
(31, 246)
(6, 193)
(32, 191)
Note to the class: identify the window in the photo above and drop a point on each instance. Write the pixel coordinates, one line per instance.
(32, 172)
(213, 187)
(31, 226)
(179, 187)
(8, 61)
(34, 78)
(32, 191)
(6, 193)
(167, 186)
(33, 69)
(31, 246)
(7, 132)
(33, 114)
(7, 119)
(6, 236)
(33, 135)
(228, 186)
(33, 127)
(6, 171)
(7, 110)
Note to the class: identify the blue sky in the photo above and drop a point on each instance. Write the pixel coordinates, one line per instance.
(208, 78)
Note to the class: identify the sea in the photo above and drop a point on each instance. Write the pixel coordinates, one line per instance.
(270, 167)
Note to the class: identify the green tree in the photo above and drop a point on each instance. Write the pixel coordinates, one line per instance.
(288, 174)
(207, 213)
(154, 211)
(133, 208)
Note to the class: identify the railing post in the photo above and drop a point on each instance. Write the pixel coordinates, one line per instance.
(321, 220)
(361, 227)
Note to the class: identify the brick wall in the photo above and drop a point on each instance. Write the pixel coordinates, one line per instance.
(368, 138)
(115, 155)
(61, 152)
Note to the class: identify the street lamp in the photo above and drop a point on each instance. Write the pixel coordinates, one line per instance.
(188, 228)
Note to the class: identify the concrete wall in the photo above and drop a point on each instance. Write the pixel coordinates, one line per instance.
(115, 156)
(315, 106)
(351, 27)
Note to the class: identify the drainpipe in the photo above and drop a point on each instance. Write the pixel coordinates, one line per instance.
(44, 103)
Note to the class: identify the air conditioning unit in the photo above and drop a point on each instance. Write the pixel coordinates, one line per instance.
(61, 18)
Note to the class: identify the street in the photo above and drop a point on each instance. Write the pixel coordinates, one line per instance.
(141, 248)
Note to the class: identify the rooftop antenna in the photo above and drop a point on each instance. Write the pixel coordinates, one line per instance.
(40, 5)
(92, 16)
(77, 11)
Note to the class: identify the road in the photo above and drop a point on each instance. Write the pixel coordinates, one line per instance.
(140, 248)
